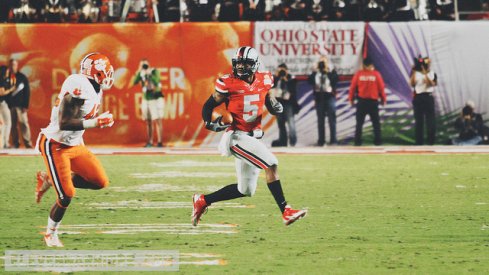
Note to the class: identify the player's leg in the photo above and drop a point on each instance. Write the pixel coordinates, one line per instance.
(360, 119)
(57, 160)
(159, 121)
(254, 153)
(146, 115)
(289, 215)
(375, 118)
(88, 172)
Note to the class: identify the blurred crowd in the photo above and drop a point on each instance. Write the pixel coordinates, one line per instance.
(90, 11)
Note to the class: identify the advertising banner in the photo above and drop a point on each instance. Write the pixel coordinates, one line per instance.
(301, 44)
(189, 58)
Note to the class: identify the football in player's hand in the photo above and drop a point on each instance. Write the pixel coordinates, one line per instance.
(227, 118)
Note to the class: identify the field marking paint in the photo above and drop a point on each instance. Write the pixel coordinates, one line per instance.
(460, 186)
(130, 229)
(181, 174)
(161, 187)
(480, 203)
(159, 205)
(191, 163)
(485, 227)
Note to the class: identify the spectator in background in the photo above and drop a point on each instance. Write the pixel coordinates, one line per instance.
(469, 126)
(277, 12)
(423, 80)
(367, 86)
(318, 10)
(201, 10)
(285, 92)
(152, 104)
(324, 80)
(338, 12)
(400, 10)
(169, 10)
(5, 7)
(373, 11)
(442, 10)
(228, 10)
(253, 10)
(7, 86)
(297, 10)
(19, 104)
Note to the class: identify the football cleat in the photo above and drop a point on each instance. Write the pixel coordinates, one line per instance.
(199, 208)
(43, 184)
(291, 215)
(52, 240)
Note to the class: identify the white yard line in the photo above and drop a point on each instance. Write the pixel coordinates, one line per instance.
(181, 174)
(191, 163)
(161, 187)
(159, 205)
(130, 229)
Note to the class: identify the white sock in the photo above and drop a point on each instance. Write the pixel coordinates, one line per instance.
(52, 226)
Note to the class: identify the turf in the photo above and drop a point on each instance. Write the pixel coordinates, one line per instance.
(368, 214)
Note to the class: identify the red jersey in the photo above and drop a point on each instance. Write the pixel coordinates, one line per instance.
(370, 85)
(245, 100)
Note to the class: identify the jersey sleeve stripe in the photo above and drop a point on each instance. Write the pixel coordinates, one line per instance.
(220, 82)
(222, 91)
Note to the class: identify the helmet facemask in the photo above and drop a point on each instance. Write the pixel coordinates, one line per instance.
(246, 58)
(107, 78)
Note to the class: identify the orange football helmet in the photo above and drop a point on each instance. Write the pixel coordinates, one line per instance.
(97, 67)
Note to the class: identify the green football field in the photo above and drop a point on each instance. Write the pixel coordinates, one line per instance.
(368, 214)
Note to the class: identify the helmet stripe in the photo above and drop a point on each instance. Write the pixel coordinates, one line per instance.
(241, 52)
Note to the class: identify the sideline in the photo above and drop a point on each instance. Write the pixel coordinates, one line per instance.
(326, 150)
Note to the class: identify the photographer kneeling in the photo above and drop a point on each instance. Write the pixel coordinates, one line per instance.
(469, 126)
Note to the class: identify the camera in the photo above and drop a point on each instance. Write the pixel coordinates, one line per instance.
(282, 73)
(421, 63)
(145, 66)
(321, 66)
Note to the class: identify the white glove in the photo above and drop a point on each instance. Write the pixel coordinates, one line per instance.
(217, 125)
(258, 133)
(102, 121)
(277, 106)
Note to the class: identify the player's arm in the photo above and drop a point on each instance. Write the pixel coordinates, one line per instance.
(272, 104)
(212, 102)
(71, 116)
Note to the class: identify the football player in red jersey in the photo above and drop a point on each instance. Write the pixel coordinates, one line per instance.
(245, 91)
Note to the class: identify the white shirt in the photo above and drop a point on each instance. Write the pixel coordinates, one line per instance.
(78, 86)
(322, 83)
(420, 85)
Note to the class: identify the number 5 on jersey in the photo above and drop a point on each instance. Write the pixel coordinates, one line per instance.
(250, 109)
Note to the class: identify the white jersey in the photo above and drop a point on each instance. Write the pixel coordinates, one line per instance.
(78, 86)
(420, 86)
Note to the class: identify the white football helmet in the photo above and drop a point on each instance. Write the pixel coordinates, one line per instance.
(97, 66)
(247, 56)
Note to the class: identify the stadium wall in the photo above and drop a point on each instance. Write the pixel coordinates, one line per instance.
(191, 55)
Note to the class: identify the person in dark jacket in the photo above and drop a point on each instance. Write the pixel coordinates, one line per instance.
(324, 80)
(285, 93)
(19, 104)
(469, 125)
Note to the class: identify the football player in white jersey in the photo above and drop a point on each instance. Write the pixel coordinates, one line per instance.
(69, 163)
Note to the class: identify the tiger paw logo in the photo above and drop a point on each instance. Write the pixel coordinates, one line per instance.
(99, 65)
